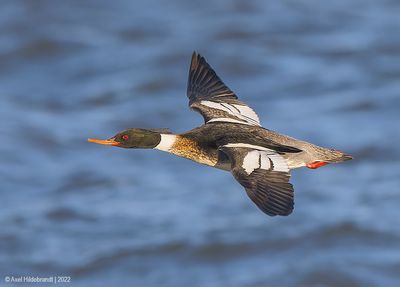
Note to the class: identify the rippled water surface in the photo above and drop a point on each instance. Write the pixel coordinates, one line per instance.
(323, 71)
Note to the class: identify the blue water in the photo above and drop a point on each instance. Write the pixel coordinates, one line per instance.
(325, 72)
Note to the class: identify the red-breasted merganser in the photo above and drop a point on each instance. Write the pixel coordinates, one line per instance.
(232, 139)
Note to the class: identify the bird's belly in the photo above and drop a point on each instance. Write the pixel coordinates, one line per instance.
(197, 156)
(295, 162)
(293, 165)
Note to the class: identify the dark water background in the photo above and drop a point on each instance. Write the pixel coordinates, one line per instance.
(323, 71)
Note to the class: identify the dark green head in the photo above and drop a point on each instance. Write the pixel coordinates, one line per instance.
(132, 138)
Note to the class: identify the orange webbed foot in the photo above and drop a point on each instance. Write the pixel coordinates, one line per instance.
(316, 164)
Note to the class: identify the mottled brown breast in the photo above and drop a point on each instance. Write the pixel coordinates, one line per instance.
(190, 149)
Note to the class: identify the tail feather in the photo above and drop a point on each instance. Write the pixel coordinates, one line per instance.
(346, 157)
(333, 156)
(338, 156)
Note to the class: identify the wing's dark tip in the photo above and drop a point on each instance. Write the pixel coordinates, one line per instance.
(204, 82)
(195, 60)
(275, 196)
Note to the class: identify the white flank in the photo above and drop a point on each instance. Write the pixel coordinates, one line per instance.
(257, 147)
(166, 142)
(244, 113)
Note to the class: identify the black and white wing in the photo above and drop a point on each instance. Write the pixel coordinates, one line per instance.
(213, 99)
(264, 174)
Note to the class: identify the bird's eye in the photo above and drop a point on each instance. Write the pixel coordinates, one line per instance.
(125, 137)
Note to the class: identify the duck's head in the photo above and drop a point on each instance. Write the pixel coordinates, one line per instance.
(132, 138)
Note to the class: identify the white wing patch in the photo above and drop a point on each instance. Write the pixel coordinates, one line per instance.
(248, 112)
(279, 162)
(257, 147)
(262, 158)
(254, 160)
(242, 112)
(229, 120)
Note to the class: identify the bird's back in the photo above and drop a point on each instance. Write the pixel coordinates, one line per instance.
(298, 153)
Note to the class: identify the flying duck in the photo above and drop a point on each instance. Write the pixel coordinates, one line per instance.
(233, 139)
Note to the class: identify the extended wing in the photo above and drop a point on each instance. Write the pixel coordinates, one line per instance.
(213, 99)
(264, 174)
